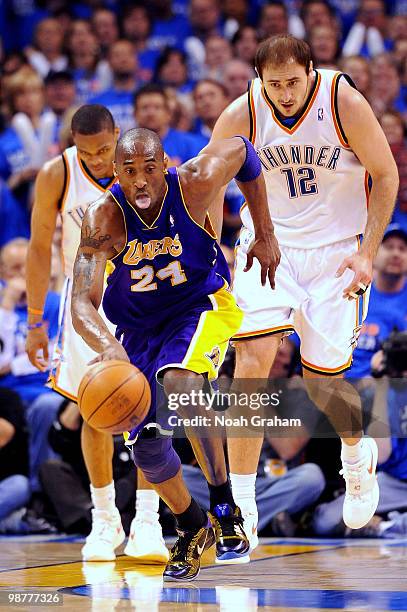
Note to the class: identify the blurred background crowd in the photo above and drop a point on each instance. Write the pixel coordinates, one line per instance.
(173, 66)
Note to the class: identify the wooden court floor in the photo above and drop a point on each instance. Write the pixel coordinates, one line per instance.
(284, 575)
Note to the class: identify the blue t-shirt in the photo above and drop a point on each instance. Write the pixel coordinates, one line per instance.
(181, 146)
(120, 104)
(396, 464)
(386, 311)
(31, 386)
(169, 33)
(14, 217)
(13, 158)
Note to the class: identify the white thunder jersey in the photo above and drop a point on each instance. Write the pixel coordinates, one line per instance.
(80, 191)
(72, 354)
(316, 187)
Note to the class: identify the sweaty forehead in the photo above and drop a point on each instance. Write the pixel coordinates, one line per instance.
(139, 149)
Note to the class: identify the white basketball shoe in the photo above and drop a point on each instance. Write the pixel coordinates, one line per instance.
(146, 542)
(106, 535)
(251, 518)
(362, 490)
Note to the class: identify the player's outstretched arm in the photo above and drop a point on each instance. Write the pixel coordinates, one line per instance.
(216, 165)
(101, 231)
(368, 142)
(48, 191)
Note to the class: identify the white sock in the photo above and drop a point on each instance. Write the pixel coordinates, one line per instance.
(103, 498)
(352, 453)
(147, 503)
(244, 492)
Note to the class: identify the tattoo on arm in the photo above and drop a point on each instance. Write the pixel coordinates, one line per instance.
(91, 238)
(84, 272)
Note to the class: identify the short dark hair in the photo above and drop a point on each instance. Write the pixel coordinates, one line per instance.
(307, 3)
(280, 49)
(130, 139)
(150, 88)
(278, 3)
(91, 119)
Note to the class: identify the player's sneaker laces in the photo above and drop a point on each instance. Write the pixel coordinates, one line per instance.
(232, 544)
(185, 555)
(362, 490)
(146, 542)
(106, 535)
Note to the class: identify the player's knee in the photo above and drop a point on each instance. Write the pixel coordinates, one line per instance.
(156, 458)
(181, 385)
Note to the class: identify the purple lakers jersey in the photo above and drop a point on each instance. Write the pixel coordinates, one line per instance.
(165, 267)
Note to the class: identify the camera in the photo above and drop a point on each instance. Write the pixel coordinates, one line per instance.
(395, 354)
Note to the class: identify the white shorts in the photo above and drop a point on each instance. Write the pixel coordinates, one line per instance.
(307, 299)
(71, 353)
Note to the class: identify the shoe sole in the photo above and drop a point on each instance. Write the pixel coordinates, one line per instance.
(105, 558)
(233, 560)
(148, 559)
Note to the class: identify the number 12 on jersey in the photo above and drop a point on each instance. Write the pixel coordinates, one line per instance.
(301, 182)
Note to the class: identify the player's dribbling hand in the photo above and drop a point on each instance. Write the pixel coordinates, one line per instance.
(362, 267)
(114, 351)
(37, 343)
(267, 251)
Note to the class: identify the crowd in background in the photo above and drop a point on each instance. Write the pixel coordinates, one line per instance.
(173, 67)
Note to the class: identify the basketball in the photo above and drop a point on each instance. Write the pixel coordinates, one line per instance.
(114, 396)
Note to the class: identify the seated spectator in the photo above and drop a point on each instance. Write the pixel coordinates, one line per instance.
(29, 140)
(210, 99)
(324, 47)
(217, 53)
(317, 13)
(152, 111)
(385, 92)
(105, 26)
(358, 70)
(15, 491)
(236, 76)
(119, 98)
(16, 372)
(393, 126)
(136, 25)
(288, 491)
(367, 36)
(273, 19)
(60, 96)
(388, 300)
(47, 51)
(91, 74)
(172, 71)
(245, 43)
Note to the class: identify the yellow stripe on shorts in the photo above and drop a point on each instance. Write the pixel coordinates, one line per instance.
(209, 344)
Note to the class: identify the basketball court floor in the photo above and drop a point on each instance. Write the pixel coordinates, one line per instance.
(284, 575)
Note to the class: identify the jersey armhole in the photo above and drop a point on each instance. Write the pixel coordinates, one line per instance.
(64, 188)
(335, 110)
(252, 112)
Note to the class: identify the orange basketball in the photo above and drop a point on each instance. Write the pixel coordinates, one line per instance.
(114, 396)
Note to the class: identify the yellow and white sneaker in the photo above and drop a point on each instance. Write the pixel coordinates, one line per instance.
(106, 535)
(146, 542)
(362, 490)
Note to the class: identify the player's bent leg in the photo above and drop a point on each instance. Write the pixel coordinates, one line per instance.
(146, 542)
(254, 359)
(162, 468)
(341, 403)
(231, 542)
(107, 531)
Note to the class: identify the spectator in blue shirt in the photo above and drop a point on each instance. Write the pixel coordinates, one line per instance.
(172, 71)
(388, 300)
(119, 98)
(16, 372)
(151, 111)
(136, 26)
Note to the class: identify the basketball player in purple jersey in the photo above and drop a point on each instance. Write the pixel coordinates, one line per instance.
(173, 310)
